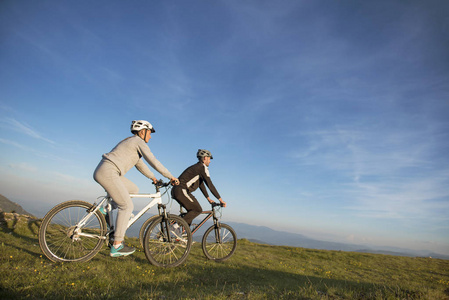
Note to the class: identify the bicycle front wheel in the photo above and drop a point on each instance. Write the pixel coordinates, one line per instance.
(219, 242)
(61, 238)
(144, 228)
(168, 241)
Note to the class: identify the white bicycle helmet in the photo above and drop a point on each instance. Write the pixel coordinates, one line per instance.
(203, 153)
(138, 125)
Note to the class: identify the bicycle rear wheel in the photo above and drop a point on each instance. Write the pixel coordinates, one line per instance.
(219, 242)
(62, 241)
(168, 241)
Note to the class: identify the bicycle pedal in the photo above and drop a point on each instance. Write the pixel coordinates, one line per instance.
(181, 240)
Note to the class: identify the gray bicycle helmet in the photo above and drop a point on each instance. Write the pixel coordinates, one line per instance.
(203, 153)
(138, 125)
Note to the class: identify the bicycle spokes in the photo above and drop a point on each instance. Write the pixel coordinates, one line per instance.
(167, 241)
(219, 242)
(61, 238)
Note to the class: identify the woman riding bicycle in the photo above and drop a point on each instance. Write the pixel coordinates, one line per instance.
(110, 175)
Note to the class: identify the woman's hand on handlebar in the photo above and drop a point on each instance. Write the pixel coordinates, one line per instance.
(160, 183)
(174, 181)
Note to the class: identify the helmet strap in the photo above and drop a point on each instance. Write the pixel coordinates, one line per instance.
(146, 132)
(144, 136)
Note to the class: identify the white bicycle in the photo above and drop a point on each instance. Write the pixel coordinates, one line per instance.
(75, 231)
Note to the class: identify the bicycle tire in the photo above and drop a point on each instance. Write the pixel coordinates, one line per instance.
(159, 250)
(57, 238)
(144, 228)
(219, 250)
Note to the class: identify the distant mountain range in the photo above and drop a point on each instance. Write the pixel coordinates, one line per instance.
(266, 235)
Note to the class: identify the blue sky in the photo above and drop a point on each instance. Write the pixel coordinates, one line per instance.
(326, 118)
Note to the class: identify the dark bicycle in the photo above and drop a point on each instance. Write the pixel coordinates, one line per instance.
(219, 241)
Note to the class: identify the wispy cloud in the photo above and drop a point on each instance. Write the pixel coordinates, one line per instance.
(366, 151)
(15, 144)
(23, 167)
(383, 173)
(32, 150)
(69, 179)
(403, 198)
(22, 127)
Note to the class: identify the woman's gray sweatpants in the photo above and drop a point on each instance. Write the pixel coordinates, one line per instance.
(119, 188)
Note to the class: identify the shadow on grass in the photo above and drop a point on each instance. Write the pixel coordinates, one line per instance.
(258, 281)
(225, 281)
(202, 279)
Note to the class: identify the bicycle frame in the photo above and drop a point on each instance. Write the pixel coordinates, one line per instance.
(209, 214)
(216, 226)
(156, 199)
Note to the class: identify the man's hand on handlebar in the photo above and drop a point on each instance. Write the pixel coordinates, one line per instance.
(222, 202)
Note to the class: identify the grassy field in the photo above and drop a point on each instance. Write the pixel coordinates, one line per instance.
(255, 272)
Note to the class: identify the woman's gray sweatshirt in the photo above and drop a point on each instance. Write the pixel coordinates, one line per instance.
(128, 153)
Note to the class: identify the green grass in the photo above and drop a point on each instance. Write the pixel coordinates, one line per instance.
(255, 272)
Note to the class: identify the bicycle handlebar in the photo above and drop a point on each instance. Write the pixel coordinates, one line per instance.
(216, 204)
(160, 183)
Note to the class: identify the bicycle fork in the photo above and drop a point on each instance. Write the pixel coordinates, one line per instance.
(217, 230)
(165, 223)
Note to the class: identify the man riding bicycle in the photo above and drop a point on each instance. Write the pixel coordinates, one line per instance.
(110, 175)
(193, 177)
